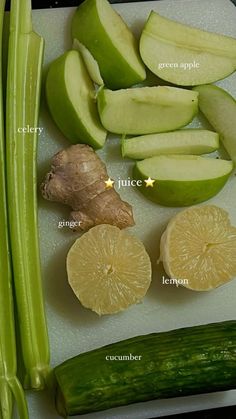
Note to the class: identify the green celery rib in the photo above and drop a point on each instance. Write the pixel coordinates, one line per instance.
(25, 59)
(9, 384)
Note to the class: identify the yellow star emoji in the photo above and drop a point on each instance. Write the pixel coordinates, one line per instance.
(149, 182)
(109, 183)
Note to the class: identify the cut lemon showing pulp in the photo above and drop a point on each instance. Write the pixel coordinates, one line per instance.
(108, 269)
(199, 245)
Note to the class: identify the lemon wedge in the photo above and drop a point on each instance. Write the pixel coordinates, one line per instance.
(199, 246)
(108, 269)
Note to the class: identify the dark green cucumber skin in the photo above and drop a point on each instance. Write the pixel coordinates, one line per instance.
(180, 362)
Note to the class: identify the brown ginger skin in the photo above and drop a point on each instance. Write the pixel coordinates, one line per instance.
(77, 178)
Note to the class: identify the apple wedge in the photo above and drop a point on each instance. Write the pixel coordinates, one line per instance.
(145, 110)
(71, 100)
(184, 55)
(100, 29)
(219, 107)
(182, 180)
(186, 141)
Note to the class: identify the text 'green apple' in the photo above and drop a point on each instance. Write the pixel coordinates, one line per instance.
(104, 33)
(71, 100)
(184, 55)
(182, 180)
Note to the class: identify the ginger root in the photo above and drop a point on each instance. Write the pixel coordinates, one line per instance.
(77, 178)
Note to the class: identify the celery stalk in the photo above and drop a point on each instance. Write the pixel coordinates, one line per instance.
(25, 58)
(9, 384)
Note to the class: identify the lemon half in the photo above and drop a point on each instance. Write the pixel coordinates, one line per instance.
(108, 269)
(199, 246)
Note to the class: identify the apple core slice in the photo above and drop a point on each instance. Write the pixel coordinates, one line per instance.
(100, 29)
(182, 180)
(219, 107)
(145, 110)
(90, 63)
(184, 55)
(186, 141)
(71, 100)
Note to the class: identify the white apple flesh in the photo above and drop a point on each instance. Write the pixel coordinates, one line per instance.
(90, 62)
(219, 107)
(186, 141)
(145, 110)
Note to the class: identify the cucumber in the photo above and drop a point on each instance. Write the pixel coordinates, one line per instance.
(180, 362)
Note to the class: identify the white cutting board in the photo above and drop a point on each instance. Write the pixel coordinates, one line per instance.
(72, 328)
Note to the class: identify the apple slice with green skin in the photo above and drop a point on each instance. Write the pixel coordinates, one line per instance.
(219, 107)
(104, 33)
(184, 55)
(145, 110)
(182, 180)
(90, 63)
(71, 100)
(186, 141)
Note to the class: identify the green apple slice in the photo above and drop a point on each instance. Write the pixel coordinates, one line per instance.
(184, 55)
(186, 141)
(182, 180)
(145, 110)
(219, 107)
(90, 63)
(71, 100)
(100, 29)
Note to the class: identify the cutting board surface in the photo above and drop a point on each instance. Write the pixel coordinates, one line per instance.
(72, 328)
